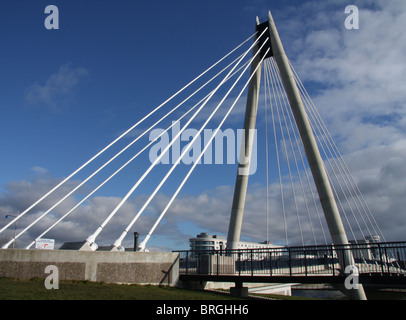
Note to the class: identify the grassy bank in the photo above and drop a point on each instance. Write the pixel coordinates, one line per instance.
(34, 289)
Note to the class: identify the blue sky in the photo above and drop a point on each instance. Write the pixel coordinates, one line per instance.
(67, 93)
(117, 62)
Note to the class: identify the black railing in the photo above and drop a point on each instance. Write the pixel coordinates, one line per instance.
(382, 258)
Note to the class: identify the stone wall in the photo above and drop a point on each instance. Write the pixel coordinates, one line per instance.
(100, 266)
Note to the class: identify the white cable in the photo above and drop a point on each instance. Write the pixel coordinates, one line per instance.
(266, 154)
(309, 184)
(270, 75)
(281, 95)
(112, 143)
(292, 127)
(128, 162)
(98, 170)
(340, 164)
(117, 243)
(334, 159)
(92, 238)
(112, 175)
(324, 145)
(301, 157)
(144, 242)
(87, 179)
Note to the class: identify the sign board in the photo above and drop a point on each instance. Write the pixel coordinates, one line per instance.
(47, 244)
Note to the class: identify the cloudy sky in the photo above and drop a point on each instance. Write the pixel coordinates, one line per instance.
(68, 93)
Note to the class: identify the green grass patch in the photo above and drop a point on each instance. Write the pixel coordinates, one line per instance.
(34, 289)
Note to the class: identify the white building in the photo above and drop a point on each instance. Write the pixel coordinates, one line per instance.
(207, 242)
(364, 251)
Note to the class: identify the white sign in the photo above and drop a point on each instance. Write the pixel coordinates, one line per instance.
(45, 244)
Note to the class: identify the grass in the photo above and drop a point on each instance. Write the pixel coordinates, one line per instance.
(34, 289)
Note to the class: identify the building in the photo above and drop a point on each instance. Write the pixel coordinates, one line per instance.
(214, 261)
(207, 242)
(365, 251)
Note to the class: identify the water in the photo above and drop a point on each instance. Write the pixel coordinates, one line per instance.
(332, 294)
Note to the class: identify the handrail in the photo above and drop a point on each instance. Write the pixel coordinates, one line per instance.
(385, 258)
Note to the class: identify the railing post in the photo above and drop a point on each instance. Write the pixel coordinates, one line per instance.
(305, 262)
(239, 263)
(211, 263)
(218, 262)
(252, 264)
(187, 262)
(380, 257)
(386, 259)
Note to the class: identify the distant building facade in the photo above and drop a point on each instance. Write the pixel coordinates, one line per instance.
(367, 252)
(207, 242)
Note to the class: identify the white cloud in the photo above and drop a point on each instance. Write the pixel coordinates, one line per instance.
(59, 84)
(358, 82)
(362, 71)
(39, 170)
(19, 195)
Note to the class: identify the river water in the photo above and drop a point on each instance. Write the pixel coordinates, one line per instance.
(332, 294)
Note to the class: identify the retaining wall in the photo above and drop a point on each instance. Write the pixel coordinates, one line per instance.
(157, 268)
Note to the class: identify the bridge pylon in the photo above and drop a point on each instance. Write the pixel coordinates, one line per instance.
(312, 152)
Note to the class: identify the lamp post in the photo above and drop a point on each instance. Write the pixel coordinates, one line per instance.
(15, 227)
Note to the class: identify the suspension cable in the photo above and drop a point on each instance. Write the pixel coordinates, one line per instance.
(129, 161)
(114, 142)
(91, 239)
(144, 242)
(115, 156)
(336, 160)
(270, 75)
(282, 96)
(117, 243)
(266, 153)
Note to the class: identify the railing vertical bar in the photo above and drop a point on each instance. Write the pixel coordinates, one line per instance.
(239, 263)
(290, 263)
(187, 262)
(380, 257)
(332, 260)
(218, 262)
(252, 263)
(308, 261)
(305, 262)
(386, 259)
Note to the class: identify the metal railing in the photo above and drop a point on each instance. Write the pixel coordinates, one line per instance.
(377, 258)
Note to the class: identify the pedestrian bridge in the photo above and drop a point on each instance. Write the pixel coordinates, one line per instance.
(378, 265)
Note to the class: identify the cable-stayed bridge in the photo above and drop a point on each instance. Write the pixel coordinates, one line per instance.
(304, 167)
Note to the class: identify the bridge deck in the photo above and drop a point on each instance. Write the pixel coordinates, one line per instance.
(378, 264)
(376, 280)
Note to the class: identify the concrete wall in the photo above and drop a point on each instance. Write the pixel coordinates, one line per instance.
(99, 266)
(216, 264)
